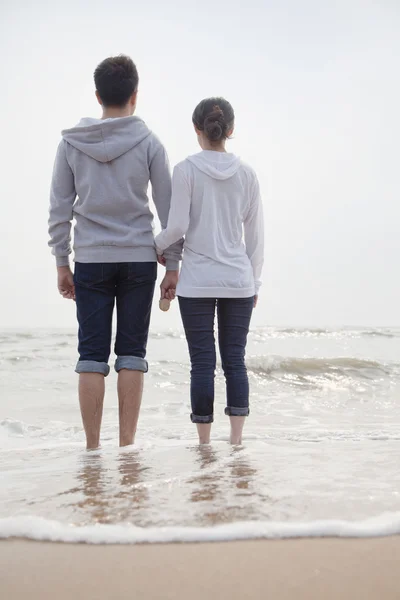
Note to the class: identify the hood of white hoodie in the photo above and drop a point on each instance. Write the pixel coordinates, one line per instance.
(219, 165)
(107, 139)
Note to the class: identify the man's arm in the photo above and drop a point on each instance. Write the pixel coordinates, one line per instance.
(160, 178)
(179, 214)
(62, 198)
(254, 233)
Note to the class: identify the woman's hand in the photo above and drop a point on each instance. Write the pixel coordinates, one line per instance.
(161, 260)
(255, 301)
(168, 285)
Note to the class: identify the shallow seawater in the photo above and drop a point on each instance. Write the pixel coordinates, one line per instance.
(321, 444)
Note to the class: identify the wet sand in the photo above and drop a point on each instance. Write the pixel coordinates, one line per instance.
(304, 569)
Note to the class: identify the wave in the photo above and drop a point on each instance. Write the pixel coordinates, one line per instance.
(346, 332)
(272, 366)
(54, 429)
(7, 336)
(39, 529)
(276, 332)
(56, 435)
(381, 333)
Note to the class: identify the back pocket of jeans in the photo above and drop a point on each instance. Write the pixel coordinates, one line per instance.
(142, 272)
(88, 274)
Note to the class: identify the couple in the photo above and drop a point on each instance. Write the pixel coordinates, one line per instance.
(101, 175)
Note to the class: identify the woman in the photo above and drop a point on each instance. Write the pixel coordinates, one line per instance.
(215, 198)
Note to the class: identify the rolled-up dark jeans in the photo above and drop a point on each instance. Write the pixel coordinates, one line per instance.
(198, 316)
(98, 287)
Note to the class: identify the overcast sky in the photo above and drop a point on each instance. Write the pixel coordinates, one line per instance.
(315, 86)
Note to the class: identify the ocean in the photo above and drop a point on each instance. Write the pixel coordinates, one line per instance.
(320, 453)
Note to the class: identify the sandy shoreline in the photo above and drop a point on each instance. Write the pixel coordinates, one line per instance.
(304, 569)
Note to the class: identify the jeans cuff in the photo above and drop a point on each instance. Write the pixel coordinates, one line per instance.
(201, 419)
(92, 366)
(132, 363)
(236, 411)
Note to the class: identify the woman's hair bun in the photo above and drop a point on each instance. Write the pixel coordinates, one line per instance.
(215, 117)
(214, 125)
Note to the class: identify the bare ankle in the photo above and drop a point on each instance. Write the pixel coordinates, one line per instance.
(237, 424)
(204, 432)
(92, 445)
(235, 441)
(204, 440)
(126, 442)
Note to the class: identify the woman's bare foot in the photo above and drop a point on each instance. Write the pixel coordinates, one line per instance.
(237, 424)
(204, 431)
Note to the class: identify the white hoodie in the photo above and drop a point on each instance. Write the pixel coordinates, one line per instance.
(215, 199)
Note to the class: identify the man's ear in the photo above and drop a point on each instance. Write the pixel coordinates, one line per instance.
(133, 98)
(98, 98)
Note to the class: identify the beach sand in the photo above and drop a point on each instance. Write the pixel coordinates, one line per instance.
(321, 569)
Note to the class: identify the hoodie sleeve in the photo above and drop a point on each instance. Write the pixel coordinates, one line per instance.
(179, 215)
(62, 198)
(160, 178)
(254, 232)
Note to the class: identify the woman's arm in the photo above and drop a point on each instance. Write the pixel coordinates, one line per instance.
(179, 214)
(160, 177)
(254, 233)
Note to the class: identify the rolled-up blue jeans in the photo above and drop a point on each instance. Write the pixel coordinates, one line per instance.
(198, 316)
(98, 287)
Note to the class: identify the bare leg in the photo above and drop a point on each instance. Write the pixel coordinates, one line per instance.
(204, 430)
(130, 390)
(237, 424)
(91, 398)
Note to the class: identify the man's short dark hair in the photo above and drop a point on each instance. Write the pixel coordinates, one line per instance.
(116, 79)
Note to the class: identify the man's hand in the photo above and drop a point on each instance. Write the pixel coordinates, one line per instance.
(65, 282)
(255, 301)
(168, 285)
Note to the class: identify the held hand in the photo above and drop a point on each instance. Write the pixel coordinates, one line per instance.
(161, 260)
(65, 282)
(255, 301)
(168, 285)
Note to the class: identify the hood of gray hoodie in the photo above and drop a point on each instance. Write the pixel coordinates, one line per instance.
(106, 139)
(219, 165)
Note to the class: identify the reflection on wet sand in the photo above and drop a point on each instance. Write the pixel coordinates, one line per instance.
(92, 476)
(207, 489)
(108, 498)
(221, 486)
(243, 478)
(242, 473)
(133, 489)
(218, 484)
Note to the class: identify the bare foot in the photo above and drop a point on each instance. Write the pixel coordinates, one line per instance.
(204, 431)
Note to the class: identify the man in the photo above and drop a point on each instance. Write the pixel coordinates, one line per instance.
(100, 179)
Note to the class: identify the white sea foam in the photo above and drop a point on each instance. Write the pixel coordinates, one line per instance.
(36, 528)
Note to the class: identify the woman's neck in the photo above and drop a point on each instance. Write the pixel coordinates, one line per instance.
(214, 147)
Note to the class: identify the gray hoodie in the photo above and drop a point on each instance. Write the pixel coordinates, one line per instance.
(101, 176)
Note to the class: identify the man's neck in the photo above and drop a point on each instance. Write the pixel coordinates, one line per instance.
(115, 112)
